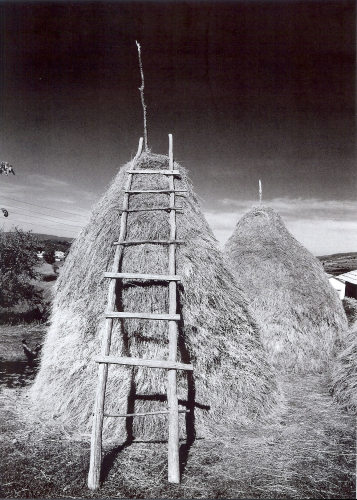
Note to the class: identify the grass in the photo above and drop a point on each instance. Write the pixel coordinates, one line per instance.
(308, 453)
(12, 335)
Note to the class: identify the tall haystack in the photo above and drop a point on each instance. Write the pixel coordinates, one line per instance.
(232, 381)
(300, 314)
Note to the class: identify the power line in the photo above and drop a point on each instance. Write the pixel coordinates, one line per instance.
(48, 208)
(45, 218)
(34, 211)
(41, 225)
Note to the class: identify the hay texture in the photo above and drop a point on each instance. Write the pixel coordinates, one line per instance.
(344, 373)
(301, 316)
(232, 381)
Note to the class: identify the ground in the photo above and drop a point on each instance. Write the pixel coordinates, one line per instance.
(309, 452)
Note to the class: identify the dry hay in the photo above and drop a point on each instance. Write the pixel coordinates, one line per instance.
(232, 381)
(344, 373)
(350, 307)
(302, 319)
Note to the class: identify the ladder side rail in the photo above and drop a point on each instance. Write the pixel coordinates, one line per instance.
(96, 438)
(173, 444)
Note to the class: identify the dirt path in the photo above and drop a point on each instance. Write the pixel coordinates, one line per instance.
(308, 453)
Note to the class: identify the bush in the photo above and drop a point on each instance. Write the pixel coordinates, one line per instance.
(17, 269)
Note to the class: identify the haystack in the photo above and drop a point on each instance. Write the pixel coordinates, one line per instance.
(300, 314)
(232, 381)
(344, 373)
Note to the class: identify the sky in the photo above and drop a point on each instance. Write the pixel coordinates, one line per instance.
(250, 91)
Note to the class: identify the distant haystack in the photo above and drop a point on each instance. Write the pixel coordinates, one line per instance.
(300, 314)
(344, 373)
(232, 381)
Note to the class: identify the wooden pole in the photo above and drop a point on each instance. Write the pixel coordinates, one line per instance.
(260, 192)
(173, 444)
(142, 98)
(96, 439)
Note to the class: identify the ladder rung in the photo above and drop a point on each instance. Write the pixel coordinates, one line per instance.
(159, 277)
(152, 209)
(163, 172)
(114, 314)
(140, 191)
(149, 363)
(154, 242)
(143, 414)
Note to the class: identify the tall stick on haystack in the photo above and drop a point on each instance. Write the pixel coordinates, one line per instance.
(260, 192)
(142, 97)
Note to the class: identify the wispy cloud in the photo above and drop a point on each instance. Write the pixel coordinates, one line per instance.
(46, 181)
(302, 207)
(322, 226)
(46, 204)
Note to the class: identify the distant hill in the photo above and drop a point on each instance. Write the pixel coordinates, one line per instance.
(339, 263)
(52, 237)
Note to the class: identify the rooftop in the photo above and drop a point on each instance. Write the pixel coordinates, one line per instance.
(351, 277)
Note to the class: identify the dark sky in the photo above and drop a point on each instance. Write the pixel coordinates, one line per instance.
(249, 90)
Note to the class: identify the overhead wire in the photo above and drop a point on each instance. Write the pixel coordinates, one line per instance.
(39, 225)
(44, 218)
(48, 208)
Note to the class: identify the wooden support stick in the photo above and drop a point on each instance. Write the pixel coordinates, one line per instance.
(96, 439)
(152, 209)
(173, 444)
(141, 242)
(150, 277)
(158, 191)
(260, 192)
(163, 172)
(150, 363)
(144, 414)
(142, 96)
(114, 314)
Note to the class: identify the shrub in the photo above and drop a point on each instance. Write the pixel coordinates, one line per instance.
(17, 269)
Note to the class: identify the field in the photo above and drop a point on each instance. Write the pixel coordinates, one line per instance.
(308, 452)
(339, 263)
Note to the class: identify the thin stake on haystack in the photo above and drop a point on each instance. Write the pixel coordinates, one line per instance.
(260, 192)
(142, 96)
(96, 439)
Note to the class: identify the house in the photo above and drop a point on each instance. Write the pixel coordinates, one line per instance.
(338, 285)
(59, 255)
(40, 254)
(350, 280)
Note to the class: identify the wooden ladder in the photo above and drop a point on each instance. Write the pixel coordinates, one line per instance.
(172, 365)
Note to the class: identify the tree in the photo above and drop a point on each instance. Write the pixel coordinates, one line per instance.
(18, 259)
(49, 255)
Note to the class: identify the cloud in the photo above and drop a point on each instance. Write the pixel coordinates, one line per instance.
(46, 181)
(302, 208)
(322, 226)
(47, 205)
